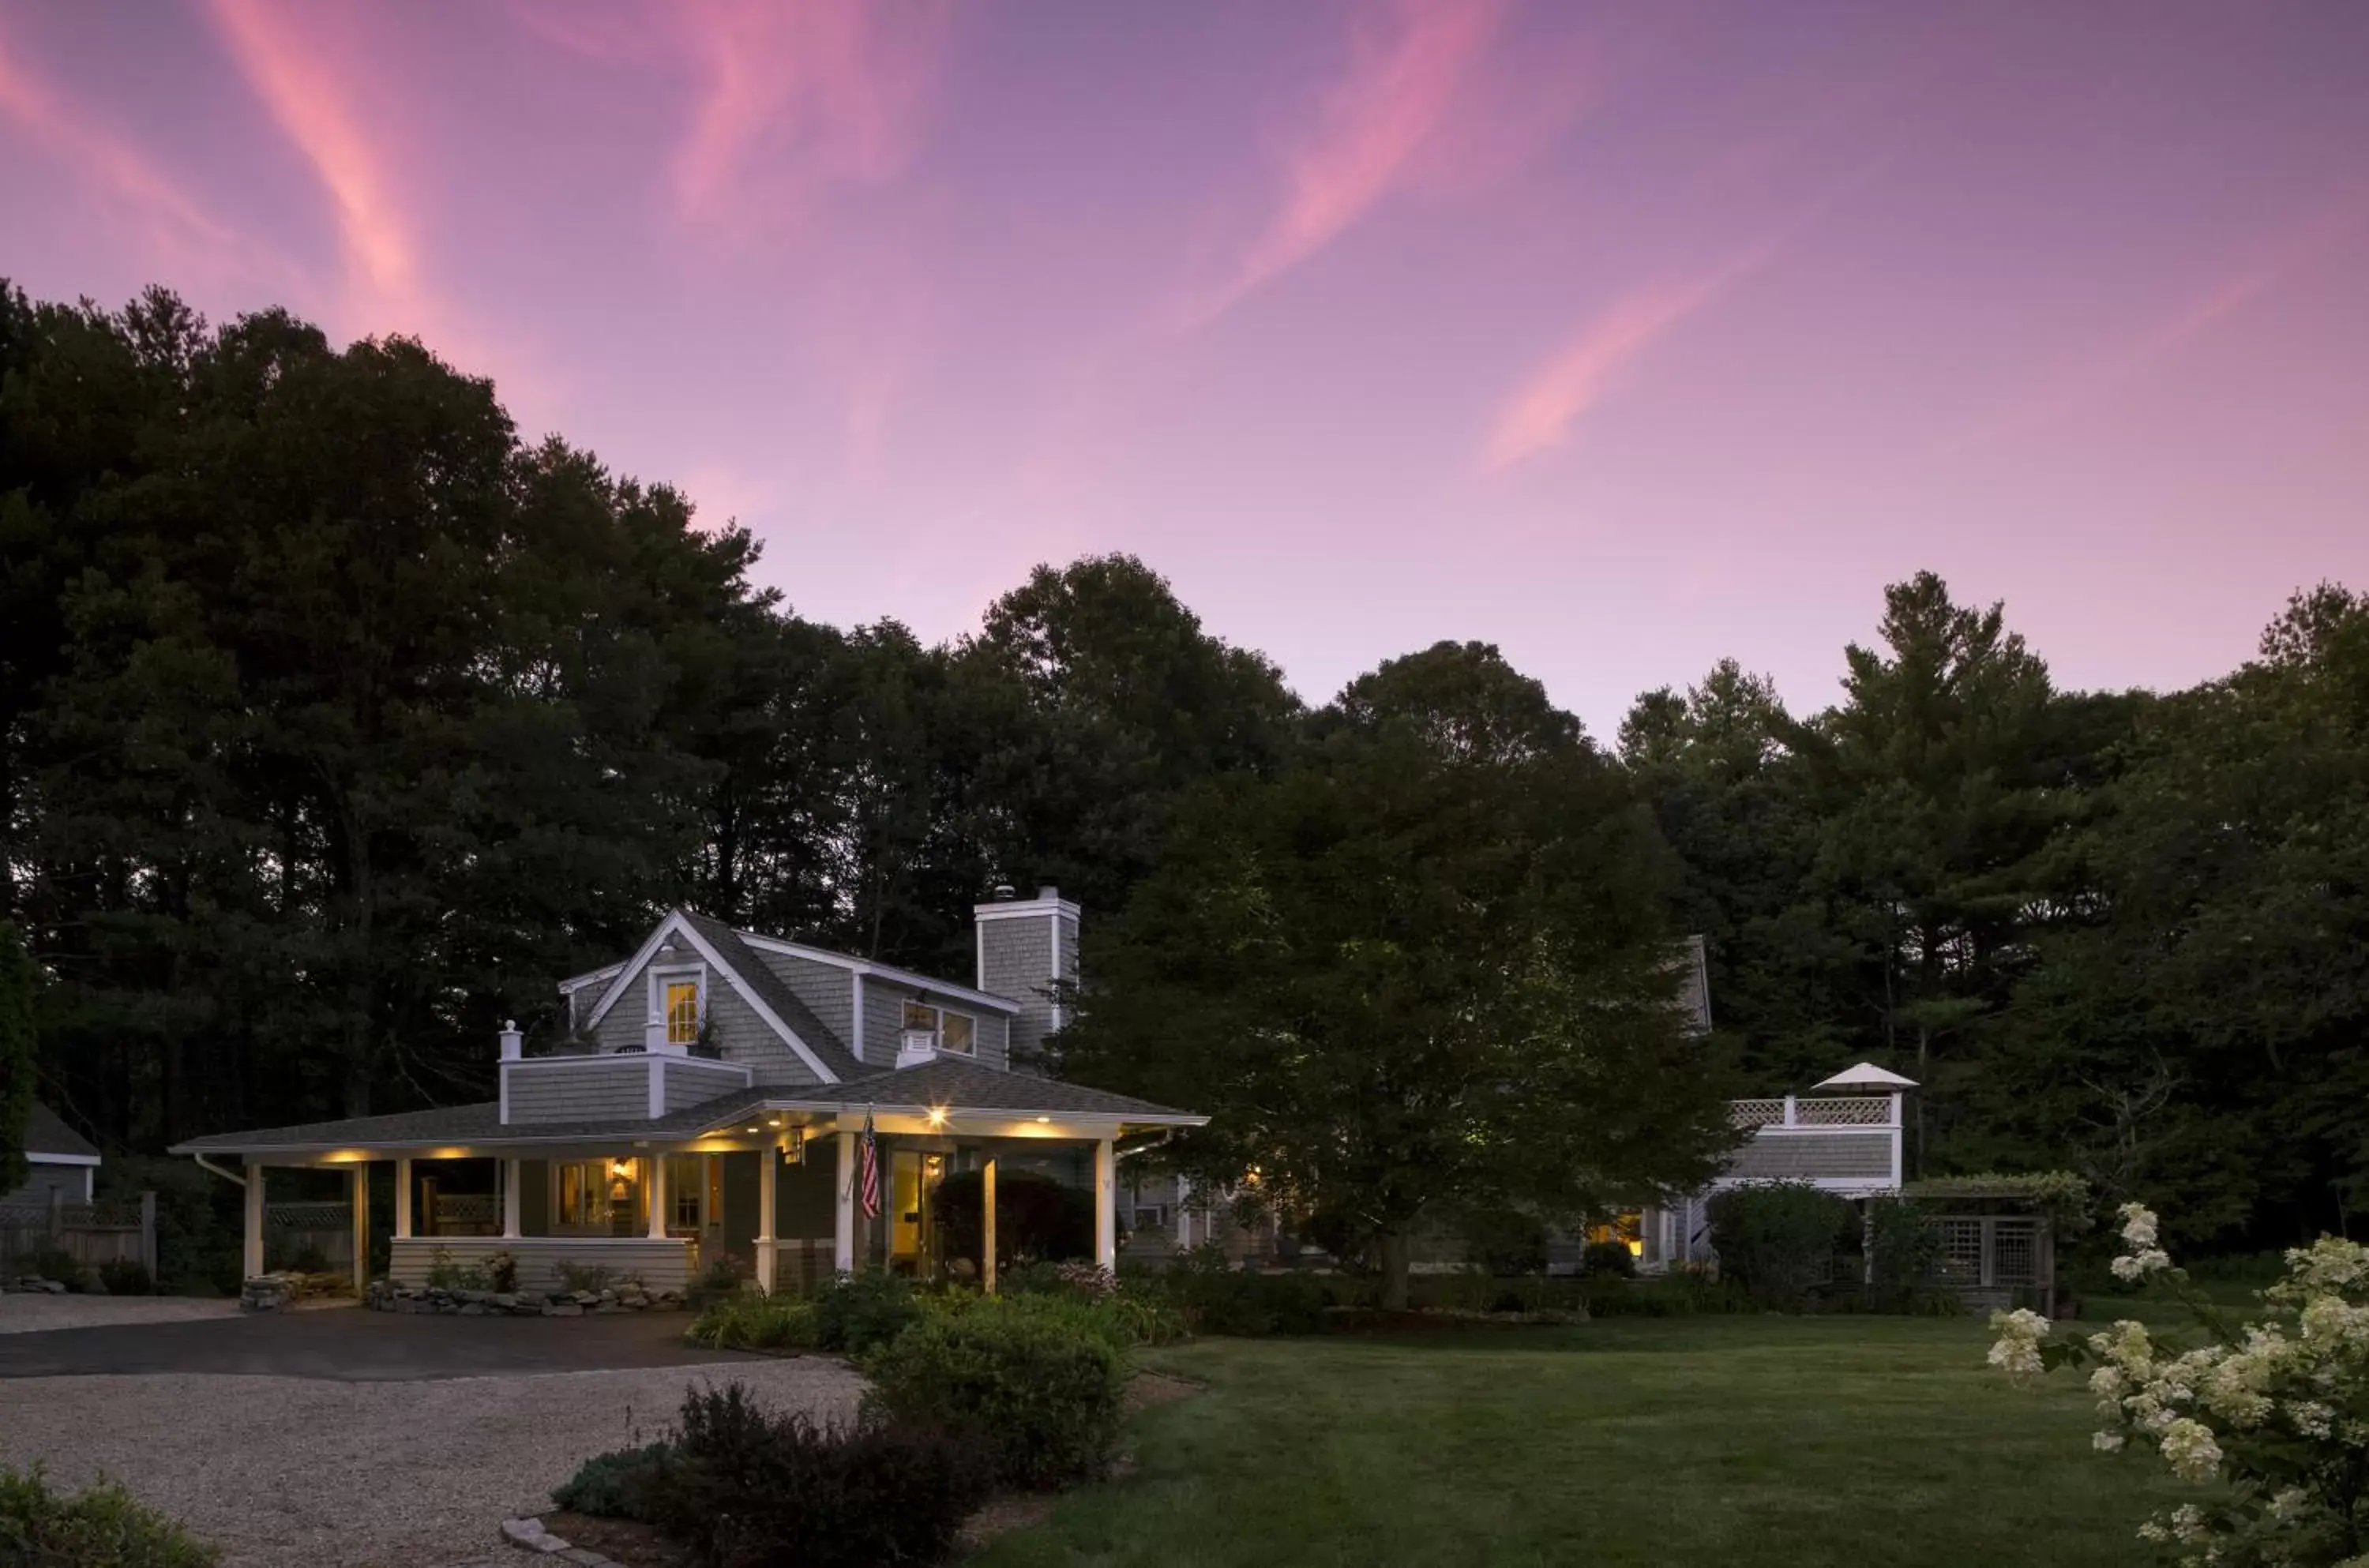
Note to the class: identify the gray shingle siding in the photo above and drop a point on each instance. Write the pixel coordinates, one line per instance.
(691, 1082)
(68, 1179)
(747, 1038)
(580, 1091)
(1862, 1154)
(828, 990)
(884, 1021)
(1017, 960)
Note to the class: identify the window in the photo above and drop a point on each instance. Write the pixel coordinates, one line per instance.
(1149, 1216)
(594, 1195)
(686, 1191)
(955, 1032)
(683, 1011)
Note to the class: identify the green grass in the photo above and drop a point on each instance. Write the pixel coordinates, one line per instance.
(1726, 1441)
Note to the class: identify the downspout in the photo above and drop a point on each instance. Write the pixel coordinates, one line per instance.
(233, 1177)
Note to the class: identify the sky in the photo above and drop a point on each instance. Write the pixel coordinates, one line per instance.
(1625, 337)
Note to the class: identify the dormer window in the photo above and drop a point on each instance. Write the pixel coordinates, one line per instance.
(679, 1000)
(935, 1026)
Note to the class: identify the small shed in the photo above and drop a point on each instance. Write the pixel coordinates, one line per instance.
(63, 1161)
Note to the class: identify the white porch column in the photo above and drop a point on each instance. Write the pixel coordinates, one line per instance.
(251, 1258)
(360, 1178)
(510, 1200)
(769, 1176)
(403, 1200)
(1106, 1205)
(842, 1245)
(657, 1186)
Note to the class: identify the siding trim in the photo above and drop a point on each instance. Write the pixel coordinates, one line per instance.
(883, 971)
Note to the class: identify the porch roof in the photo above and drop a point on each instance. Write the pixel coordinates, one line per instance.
(947, 1085)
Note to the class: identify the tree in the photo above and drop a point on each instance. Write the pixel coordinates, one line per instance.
(15, 1057)
(1428, 962)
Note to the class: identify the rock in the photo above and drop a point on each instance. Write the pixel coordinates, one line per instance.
(522, 1532)
(472, 1309)
(585, 1557)
(608, 1307)
(54, 1286)
(505, 1299)
(584, 1298)
(479, 1297)
(563, 1309)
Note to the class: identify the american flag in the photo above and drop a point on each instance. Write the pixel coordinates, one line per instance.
(871, 1178)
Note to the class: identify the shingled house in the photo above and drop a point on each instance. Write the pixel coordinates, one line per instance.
(708, 1103)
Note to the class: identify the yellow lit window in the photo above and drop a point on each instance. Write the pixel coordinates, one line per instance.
(682, 1011)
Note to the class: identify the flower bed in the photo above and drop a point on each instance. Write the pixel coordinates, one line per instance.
(387, 1296)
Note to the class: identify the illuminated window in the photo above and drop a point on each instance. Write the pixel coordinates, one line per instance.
(593, 1193)
(682, 1011)
(953, 1032)
(686, 1190)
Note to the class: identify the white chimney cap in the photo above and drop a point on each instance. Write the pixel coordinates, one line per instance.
(1866, 1075)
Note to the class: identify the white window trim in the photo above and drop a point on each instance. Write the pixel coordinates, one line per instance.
(661, 975)
(938, 1025)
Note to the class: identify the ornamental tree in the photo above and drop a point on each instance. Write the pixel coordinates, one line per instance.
(2271, 1415)
(1425, 966)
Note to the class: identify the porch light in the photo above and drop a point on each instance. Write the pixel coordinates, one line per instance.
(620, 1170)
(1044, 1118)
(937, 1115)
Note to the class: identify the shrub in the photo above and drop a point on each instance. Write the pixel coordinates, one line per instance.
(1778, 1238)
(198, 1226)
(2264, 1417)
(1216, 1297)
(613, 1485)
(745, 1486)
(1035, 1216)
(443, 1273)
(102, 1528)
(1683, 1295)
(126, 1276)
(721, 1277)
(1041, 1395)
(1609, 1260)
(501, 1271)
(1121, 1319)
(1504, 1242)
(589, 1279)
(757, 1322)
(1903, 1244)
(862, 1311)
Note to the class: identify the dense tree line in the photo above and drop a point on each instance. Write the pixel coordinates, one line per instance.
(336, 721)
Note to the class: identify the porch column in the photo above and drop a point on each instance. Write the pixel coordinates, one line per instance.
(769, 1175)
(403, 1200)
(359, 1177)
(986, 1225)
(510, 1200)
(251, 1258)
(1106, 1205)
(657, 1186)
(843, 1244)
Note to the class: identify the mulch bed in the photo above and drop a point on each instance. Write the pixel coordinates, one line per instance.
(639, 1546)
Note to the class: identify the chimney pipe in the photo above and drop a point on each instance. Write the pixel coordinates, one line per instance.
(1047, 894)
(513, 1043)
(1004, 893)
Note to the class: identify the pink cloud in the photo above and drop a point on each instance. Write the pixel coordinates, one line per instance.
(297, 85)
(1539, 415)
(2297, 249)
(1403, 76)
(827, 92)
(118, 164)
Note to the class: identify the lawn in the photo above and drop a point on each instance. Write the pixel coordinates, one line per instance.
(1724, 1441)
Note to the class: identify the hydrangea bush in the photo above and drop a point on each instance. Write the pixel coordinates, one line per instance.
(2275, 1412)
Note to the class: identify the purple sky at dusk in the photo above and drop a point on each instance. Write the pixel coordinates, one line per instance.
(1625, 337)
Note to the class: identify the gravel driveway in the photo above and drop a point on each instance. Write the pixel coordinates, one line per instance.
(286, 1472)
(26, 1311)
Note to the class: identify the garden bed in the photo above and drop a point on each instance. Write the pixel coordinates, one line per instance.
(387, 1296)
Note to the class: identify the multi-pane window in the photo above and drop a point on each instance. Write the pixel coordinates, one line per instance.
(683, 1011)
(686, 1189)
(593, 1193)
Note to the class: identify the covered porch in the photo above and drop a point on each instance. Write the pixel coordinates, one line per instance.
(771, 1184)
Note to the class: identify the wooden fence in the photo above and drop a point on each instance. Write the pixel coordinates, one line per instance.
(93, 1234)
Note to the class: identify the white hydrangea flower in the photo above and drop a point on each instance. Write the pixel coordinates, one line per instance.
(2108, 1382)
(2138, 1226)
(2288, 1502)
(2155, 1532)
(2188, 1522)
(2311, 1418)
(2188, 1448)
(2106, 1442)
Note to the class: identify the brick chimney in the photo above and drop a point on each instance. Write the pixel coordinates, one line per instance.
(1025, 946)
